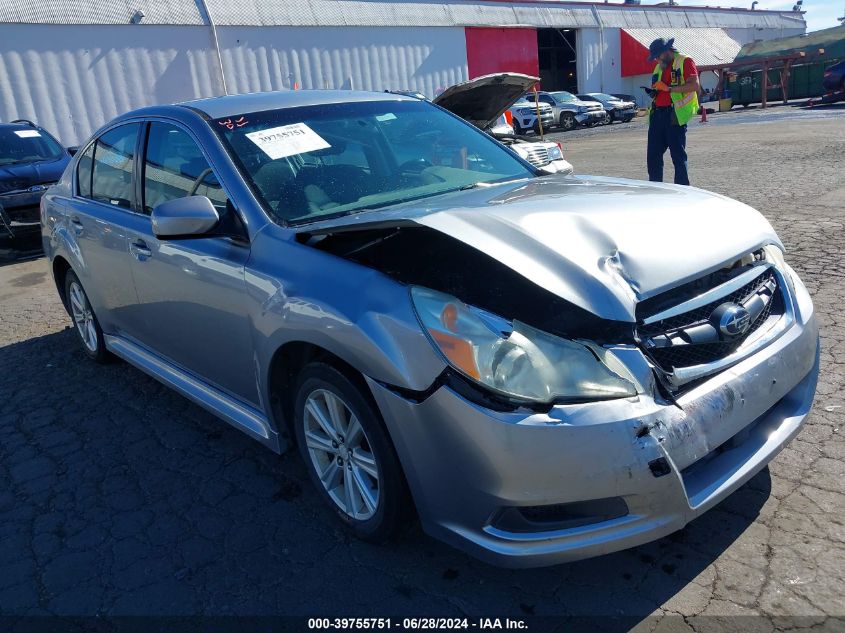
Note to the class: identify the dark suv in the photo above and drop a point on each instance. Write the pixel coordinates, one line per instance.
(30, 161)
(834, 77)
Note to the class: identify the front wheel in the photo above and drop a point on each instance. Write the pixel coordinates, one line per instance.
(348, 453)
(608, 119)
(567, 121)
(87, 326)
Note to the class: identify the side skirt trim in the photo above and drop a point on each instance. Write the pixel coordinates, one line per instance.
(242, 416)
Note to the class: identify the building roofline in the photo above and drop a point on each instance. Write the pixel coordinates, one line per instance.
(652, 7)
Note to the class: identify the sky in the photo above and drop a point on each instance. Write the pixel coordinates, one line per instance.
(820, 14)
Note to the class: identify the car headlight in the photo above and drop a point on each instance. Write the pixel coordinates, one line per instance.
(514, 359)
(526, 111)
(773, 253)
(555, 153)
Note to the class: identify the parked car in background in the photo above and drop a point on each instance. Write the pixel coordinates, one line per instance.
(615, 109)
(623, 97)
(30, 161)
(568, 110)
(482, 101)
(545, 368)
(525, 117)
(834, 77)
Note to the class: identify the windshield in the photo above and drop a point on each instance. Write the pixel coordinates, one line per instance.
(310, 163)
(563, 97)
(603, 97)
(27, 145)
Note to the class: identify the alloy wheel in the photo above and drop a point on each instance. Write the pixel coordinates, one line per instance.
(83, 316)
(341, 454)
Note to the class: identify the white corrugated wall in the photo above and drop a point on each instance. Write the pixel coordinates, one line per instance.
(73, 78)
(425, 59)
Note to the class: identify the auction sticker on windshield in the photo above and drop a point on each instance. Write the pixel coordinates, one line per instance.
(27, 133)
(287, 140)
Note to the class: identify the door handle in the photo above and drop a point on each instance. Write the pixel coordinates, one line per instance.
(76, 224)
(140, 250)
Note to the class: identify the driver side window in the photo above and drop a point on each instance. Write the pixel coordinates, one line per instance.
(175, 167)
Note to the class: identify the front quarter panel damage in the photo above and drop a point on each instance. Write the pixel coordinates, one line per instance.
(300, 294)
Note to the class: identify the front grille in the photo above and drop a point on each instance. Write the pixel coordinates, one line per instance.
(537, 155)
(687, 355)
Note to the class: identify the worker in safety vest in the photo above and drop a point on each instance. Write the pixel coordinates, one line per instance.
(674, 91)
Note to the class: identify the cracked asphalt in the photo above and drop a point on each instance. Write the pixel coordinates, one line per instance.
(120, 498)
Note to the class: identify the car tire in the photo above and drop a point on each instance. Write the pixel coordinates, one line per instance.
(517, 128)
(608, 118)
(567, 121)
(354, 468)
(85, 322)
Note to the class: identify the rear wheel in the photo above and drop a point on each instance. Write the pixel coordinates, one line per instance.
(87, 326)
(348, 453)
(608, 118)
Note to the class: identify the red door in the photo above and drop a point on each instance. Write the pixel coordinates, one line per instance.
(493, 50)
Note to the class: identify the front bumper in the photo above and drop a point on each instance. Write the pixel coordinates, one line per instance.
(19, 214)
(560, 166)
(593, 116)
(465, 464)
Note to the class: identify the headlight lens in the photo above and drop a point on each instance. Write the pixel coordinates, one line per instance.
(526, 111)
(514, 359)
(555, 153)
(774, 254)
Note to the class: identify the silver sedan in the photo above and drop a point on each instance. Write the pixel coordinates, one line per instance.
(544, 367)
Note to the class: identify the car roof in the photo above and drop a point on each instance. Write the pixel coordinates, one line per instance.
(18, 126)
(230, 105)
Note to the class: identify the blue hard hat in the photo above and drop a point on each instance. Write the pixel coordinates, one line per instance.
(660, 46)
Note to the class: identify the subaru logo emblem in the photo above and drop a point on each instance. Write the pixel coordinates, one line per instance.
(35, 188)
(731, 319)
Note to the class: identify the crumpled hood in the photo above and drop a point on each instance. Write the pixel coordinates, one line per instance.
(601, 243)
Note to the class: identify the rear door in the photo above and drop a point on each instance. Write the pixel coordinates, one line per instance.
(191, 292)
(98, 216)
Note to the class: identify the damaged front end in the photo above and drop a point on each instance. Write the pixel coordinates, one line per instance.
(546, 351)
(592, 401)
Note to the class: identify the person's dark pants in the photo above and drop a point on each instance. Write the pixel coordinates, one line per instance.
(665, 133)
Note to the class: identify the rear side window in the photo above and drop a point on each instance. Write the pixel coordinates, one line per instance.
(113, 165)
(84, 172)
(175, 167)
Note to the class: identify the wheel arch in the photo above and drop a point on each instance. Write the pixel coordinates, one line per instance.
(287, 363)
(60, 267)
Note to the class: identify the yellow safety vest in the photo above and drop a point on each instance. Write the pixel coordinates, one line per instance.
(686, 104)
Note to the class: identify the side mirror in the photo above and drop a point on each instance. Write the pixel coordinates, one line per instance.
(191, 216)
(73, 149)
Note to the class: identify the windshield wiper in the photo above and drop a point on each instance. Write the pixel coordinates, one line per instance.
(485, 183)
